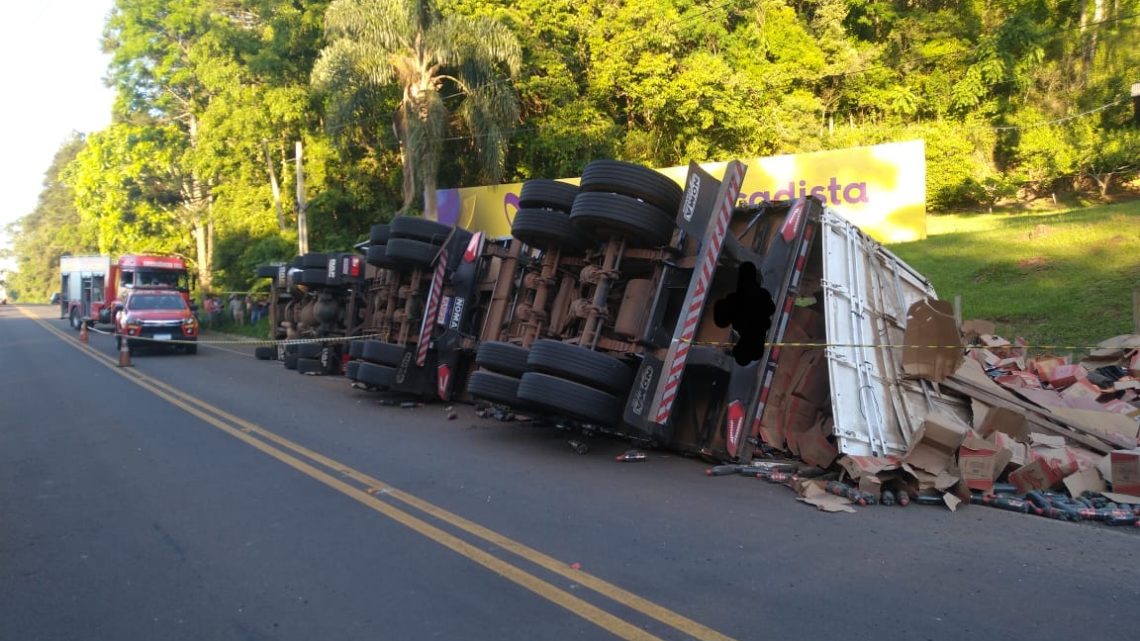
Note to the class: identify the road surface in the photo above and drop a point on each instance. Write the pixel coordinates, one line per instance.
(219, 497)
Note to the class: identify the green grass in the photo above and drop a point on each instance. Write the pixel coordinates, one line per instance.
(258, 330)
(1061, 278)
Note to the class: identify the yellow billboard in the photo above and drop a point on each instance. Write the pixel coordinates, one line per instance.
(880, 188)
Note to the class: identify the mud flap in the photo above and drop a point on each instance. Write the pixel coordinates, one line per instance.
(637, 405)
(417, 381)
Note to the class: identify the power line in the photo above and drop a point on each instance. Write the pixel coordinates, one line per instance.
(1064, 118)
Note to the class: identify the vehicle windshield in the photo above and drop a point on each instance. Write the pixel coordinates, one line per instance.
(169, 301)
(171, 279)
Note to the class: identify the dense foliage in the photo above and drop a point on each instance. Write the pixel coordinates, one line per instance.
(1015, 98)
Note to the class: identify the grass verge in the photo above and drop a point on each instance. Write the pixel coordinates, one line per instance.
(1054, 278)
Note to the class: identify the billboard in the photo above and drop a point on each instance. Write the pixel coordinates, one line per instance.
(879, 188)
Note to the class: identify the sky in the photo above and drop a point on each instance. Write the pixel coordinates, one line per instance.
(53, 74)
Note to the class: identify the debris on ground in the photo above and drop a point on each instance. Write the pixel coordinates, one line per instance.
(631, 456)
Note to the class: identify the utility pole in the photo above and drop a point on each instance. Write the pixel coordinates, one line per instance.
(302, 224)
(274, 185)
(1136, 103)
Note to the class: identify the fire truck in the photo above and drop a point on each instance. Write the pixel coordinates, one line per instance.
(91, 286)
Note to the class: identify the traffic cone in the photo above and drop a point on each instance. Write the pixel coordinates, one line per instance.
(83, 331)
(124, 352)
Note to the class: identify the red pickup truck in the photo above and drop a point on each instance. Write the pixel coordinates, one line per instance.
(154, 316)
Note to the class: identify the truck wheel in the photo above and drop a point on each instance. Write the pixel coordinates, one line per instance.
(310, 366)
(379, 235)
(643, 183)
(309, 350)
(315, 260)
(546, 229)
(350, 370)
(421, 229)
(547, 194)
(377, 375)
(504, 358)
(312, 276)
(356, 348)
(496, 388)
(290, 361)
(580, 365)
(75, 321)
(378, 256)
(568, 398)
(642, 224)
(404, 251)
(382, 353)
(265, 353)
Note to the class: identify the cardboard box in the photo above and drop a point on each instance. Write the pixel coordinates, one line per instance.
(799, 415)
(859, 466)
(981, 462)
(1013, 363)
(935, 442)
(1063, 376)
(931, 322)
(1086, 480)
(1018, 452)
(815, 449)
(1125, 471)
(772, 422)
(1009, 422)
(1082, 389)
(993, 341)
(974, 328)
(810, 381)
(1019, 380)
(1041, 474)
(1134, 364)
(1106, 423)
(1043, 366)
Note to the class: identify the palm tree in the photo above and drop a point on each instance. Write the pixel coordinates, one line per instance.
(375, 43)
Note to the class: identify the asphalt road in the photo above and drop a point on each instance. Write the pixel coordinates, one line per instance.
(220, 497)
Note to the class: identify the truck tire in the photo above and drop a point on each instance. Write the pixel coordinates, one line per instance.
(642, 224)
(643, 183)
(74, 319)
(379, 234)
(290, 361)
(547, 194)
(310, 366)
(580, 365)
(567, 398)
(350, 370)
(265, 353)
(356, 348)
(382, 353)
(266, 271)
(312, 276)
(411, 253)
(545, 229)
(421, 229)
(378, 256)
(309, 350)
(315, 260)
(503, 358)
(376, 375)
(496, 388)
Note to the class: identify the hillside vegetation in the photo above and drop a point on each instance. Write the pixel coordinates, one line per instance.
(1059, 278)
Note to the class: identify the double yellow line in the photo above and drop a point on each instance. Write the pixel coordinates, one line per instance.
(369, 491)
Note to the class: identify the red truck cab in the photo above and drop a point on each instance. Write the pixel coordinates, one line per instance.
(155, 316)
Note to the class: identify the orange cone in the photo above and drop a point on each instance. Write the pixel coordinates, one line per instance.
(124, 352)
(83, 331)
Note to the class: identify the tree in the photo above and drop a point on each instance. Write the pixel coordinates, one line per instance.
(373, 43)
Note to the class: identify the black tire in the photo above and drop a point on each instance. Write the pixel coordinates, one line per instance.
(379, 235)
(504, 358)
(356, 348)
(567, 398)
(350, 370)
(411, 253)
(290, 361)
(266, 271)
(310, 366)
(378, 256)
(496, 388)
(642, 225)
(312, 276)
(421, 229)
(291, 349)
(547, 194)
(309, 350)
(580, 365)
(265, 353)
(74, 319)
(315, 260)
(382, 353)
(377, 375)
(643, 183)
(545, 229)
